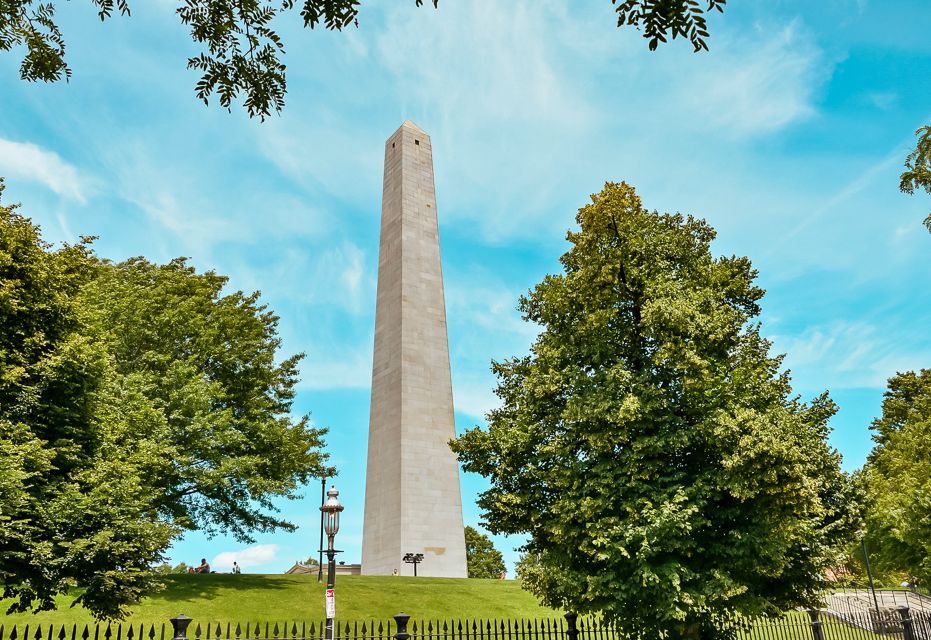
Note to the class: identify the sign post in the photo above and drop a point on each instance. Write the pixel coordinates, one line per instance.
(330, 612)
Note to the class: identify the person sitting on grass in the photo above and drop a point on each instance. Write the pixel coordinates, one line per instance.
(203, 568)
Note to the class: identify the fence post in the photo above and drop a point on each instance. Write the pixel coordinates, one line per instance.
(572, 631)
(180, 624)
(401, 620)
(817, 632)
(908, 627)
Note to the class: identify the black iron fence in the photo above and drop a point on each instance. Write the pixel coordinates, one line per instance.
(899, 623)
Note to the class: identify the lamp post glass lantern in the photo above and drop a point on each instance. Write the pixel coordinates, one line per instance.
(331, 510)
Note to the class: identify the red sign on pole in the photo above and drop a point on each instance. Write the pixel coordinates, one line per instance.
(330, 603)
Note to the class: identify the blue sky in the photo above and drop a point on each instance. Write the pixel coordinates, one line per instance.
(788, 138)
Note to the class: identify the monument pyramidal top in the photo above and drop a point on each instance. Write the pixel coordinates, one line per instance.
(413, 502)
(410, 125)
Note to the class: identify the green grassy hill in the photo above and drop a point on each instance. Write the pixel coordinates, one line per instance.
(259, 598)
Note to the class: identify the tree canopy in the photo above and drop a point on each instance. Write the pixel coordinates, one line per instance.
(136, 401)
(241, 51)
(898, 478)
(917, 174)
(649, 445)
(482, 559)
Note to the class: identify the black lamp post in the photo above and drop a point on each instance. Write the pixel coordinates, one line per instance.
(320, 558)
(869, 573)
(331, 510)
(414, 559)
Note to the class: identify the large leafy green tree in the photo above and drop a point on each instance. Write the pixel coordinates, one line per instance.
(201, 367)
(242, 52)
(917, 174)
(71, 511)
(649, 445)
(898, 478)
(482, 559)
(136, 401)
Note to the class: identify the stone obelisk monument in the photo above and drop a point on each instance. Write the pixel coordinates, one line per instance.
(412, 498)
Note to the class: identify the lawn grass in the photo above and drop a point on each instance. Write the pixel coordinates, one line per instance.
(259, 598)
(252, 599)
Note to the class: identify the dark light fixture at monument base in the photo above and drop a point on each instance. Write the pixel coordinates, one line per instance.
(414, 559)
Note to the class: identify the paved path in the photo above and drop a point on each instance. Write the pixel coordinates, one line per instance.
(862, 601)
(859, 609)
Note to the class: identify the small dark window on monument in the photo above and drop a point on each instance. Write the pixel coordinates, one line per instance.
(392, 145)
(417, 142)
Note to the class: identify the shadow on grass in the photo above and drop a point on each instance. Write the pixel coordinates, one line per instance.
(193, 586)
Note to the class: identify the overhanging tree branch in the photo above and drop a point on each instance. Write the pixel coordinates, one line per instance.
(258, 74)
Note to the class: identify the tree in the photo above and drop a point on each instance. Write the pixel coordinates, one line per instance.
(917, 174)
(649, 445)
(70, 511)
(136, 401)
(898, 478)
(484, 561)
(241, 55)
(200, 366)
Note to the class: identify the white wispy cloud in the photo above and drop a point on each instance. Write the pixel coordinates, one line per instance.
(484, 325)
(532, 105)
(337, 364)
(883, 100)
(848, 354)
(488, 304)
(481, 49)
(874, 169)
(506, 108)
(474, 395)
(254, 556)
(753, 85)
(28, 161)
(509, 163)
(348, 368)
(352, 272)
(335, 275)
(327, 150)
